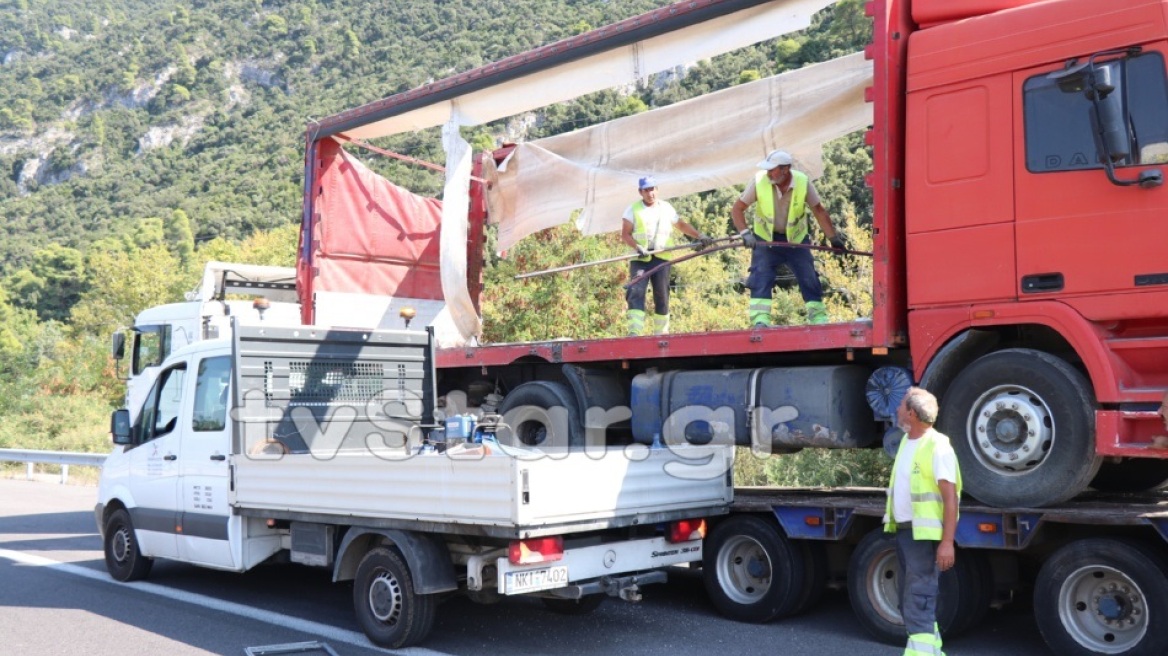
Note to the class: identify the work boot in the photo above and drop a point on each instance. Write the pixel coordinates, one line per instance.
(636, 322)
(660, 324)
(759, 312)
(816, 313)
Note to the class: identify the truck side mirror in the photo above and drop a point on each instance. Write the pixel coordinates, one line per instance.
(1108, 113)
(1109, 118)
(118, 345)
(120, 427)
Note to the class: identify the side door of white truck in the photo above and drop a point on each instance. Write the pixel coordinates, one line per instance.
(154, 467)
(209, 532)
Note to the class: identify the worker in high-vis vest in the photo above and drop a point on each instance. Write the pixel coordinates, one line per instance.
(922, 512)
(783, 197)
(648, 227)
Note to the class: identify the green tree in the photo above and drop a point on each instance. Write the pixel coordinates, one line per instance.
(749, 75)
(63, 270)
(129, 283)
(179, 237)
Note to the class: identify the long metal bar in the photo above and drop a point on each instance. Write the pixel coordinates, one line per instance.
(609, 260)
(32, 457)
(52, 457)
(738, 242)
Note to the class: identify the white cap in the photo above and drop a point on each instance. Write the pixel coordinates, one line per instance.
(776, 158)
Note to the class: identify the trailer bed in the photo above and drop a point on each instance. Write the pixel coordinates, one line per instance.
(819, 513)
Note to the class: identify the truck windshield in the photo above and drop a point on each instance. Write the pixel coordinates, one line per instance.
(151, 346)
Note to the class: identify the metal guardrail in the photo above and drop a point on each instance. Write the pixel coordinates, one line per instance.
(64, 458)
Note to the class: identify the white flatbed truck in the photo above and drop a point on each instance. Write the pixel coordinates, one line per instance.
(317, 445)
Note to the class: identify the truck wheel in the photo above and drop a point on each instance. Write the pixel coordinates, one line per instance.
(123, 560)
(1131, 475)
(1022, 423)
(388, 609)
(1103, 596)
(751, 571)
(581, 606)
(873, 572)
(541, 413)
(964, 592)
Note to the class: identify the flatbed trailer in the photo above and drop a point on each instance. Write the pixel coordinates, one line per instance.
(1096, 566)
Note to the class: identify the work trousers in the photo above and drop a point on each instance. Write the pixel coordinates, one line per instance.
(765, 261)
(919, 586)
(635, 294)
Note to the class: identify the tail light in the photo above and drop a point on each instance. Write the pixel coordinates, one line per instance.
(537, 550)
(687, 529)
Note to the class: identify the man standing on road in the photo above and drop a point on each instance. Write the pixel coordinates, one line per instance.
(648, 226)
(922, 511)
(784, 197)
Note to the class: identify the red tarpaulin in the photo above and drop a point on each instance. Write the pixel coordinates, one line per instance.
(369, 236)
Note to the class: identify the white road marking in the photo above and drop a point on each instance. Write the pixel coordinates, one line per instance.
(325, 631)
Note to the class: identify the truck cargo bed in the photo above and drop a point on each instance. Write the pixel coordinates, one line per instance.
(497, 495)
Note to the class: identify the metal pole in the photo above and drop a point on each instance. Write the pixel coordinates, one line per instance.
(618, 258)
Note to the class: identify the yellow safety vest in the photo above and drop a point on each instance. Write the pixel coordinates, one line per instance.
(641, 233)
(764, 211)
(928, 507)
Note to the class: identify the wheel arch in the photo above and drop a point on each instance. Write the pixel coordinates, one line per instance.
(426, 555)
(114, 504)
(1049, 327)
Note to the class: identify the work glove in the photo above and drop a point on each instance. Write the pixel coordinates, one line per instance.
(703, 242)
(749, 239)
(838, 242)
(641, 251)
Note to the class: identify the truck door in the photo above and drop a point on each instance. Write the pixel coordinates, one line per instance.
(154, 466)
(1081, 236)
(209, 531)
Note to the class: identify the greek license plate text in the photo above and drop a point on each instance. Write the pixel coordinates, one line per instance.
(532, 580)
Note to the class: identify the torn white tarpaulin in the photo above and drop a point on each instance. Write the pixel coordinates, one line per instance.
(455, 204)
(704, 143)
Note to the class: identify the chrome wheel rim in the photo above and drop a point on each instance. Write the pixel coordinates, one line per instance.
(1011, 430)
(1103, 609)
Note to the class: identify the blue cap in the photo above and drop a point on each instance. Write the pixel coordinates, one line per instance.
(647, 182)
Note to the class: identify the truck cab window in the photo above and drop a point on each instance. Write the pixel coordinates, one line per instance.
(160, 413)
(1059, 131)
(151, 346)
(211, 388)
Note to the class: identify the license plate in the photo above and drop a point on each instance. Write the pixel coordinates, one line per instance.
(531, 580)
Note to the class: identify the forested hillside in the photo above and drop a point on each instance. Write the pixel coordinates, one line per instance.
(141, 138)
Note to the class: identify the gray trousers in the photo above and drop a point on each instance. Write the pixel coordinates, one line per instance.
(919, 586)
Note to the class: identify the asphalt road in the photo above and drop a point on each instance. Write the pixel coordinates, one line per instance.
(55, 598)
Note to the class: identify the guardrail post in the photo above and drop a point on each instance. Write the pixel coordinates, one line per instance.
(29, 468)
(64, 474)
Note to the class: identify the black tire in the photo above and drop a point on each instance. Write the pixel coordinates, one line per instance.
(542, 414)
(966, 593)
(582, 606)
(1131, 475)
(1023, 425)
(815, 575)
(388, 609)
(963, 598)
(123, 560)
(751, 571)
(1103, 596)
